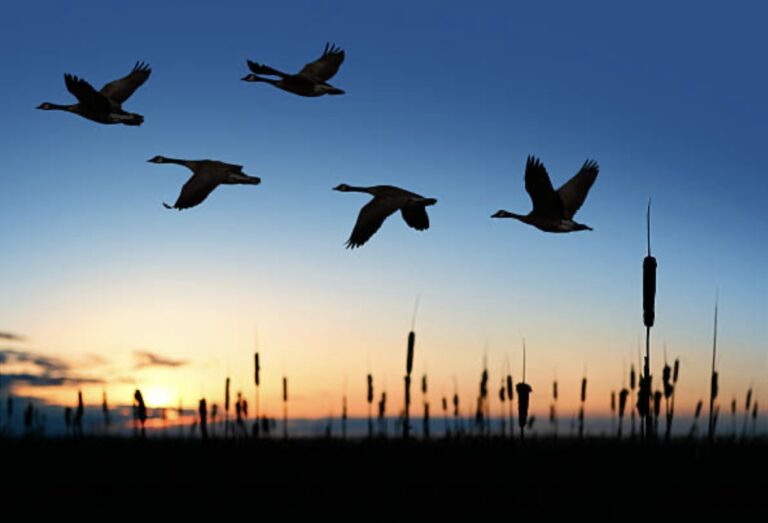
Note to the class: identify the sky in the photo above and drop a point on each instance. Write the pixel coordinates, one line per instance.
(443, 99)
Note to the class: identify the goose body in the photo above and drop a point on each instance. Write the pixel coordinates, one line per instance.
(311, 81)
(207, 175)
(553, 211)
(104, 106)
(386, 201)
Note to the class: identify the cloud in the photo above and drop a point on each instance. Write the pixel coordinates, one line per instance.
(147, 359)
(8, 336)
(46, 371)
(36, 380)
(47, 363)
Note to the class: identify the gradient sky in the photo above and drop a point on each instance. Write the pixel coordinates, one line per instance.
(444, 100)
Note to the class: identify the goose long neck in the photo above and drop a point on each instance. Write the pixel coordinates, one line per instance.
(58, 107)
(177, 161)
(354, 188)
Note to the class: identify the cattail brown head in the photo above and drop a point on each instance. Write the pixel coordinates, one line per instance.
(409, 359)
(554, 390)
(370, 388)
(676, 371)
(583, 390)
(510, 394)
(256, 369)
(623, 401)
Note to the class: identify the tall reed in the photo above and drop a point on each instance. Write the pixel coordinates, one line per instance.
(344, 417)
(408, 369)
(445, 417)
(670, 384)
(382, 414)
(754, 418)
(581, 407)
(696, 415)
(553, 409)
(256, 382)
(656, 412)
(713, 387)
(79, 413)
(510, 400)
(202, 410)
(523, 393)
(141, 411)
(502, 398)
(649, 315)
(747, 406)
(105, 412)
(632, 387)
(622, 407)
(425, 419)
(285, 407)
(226, 409)
(369, 397)
(613, 410)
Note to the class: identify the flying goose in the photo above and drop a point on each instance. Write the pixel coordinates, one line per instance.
(310, 81)
(386, 200)
(104, 106)
(553, 211)
(208, 174)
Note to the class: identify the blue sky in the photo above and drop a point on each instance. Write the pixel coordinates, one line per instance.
(444, 100)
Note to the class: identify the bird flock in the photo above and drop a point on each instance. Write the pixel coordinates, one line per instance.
(553, 211)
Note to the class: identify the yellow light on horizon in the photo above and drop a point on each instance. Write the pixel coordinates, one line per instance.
(157, 396)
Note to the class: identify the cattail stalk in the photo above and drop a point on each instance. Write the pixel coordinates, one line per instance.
(581, 408)
(203, 412)
(408, 368)
(523, 392)
(501, 408)
(649, 315)
(425, 420)
(713, 388)
(510, 402)
(622, 406)
(285, 407)
(226, 409)
(141, 411)
(369, 397)
(553, 409)
(257, 382)
(747, 406)
(696, 416)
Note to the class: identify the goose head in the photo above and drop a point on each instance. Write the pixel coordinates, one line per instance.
(343, 188)
(48, 106)
(158, 159)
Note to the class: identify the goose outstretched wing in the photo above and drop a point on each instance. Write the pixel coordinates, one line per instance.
(196, 190)
(416, 217)
(86, 94)
(370, 219)
(574, 191)
(120, 90)
(323, 69)
(539, 187)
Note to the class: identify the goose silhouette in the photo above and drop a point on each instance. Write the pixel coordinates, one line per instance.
(553, 211)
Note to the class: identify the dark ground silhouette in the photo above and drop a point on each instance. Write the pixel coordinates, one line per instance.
(478, 476)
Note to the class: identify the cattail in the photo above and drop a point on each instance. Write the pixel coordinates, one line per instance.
(649, 314)
(369, 397)
(382, 412)
(502, 398)
(676, 371)
(747, 405)
(581, 408)
(510, 405)
(656, 410)
(285, 407)
(141, 411)
(754, 418)
(226, 409)
(425, 419)
(696, 415)
(344, 417)
(105, 411)
(482, 400)
(408, 369)
(713, 388)
(523, 392)
(622, 407)
(203, 411)
(733, 417)
(256, 382)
